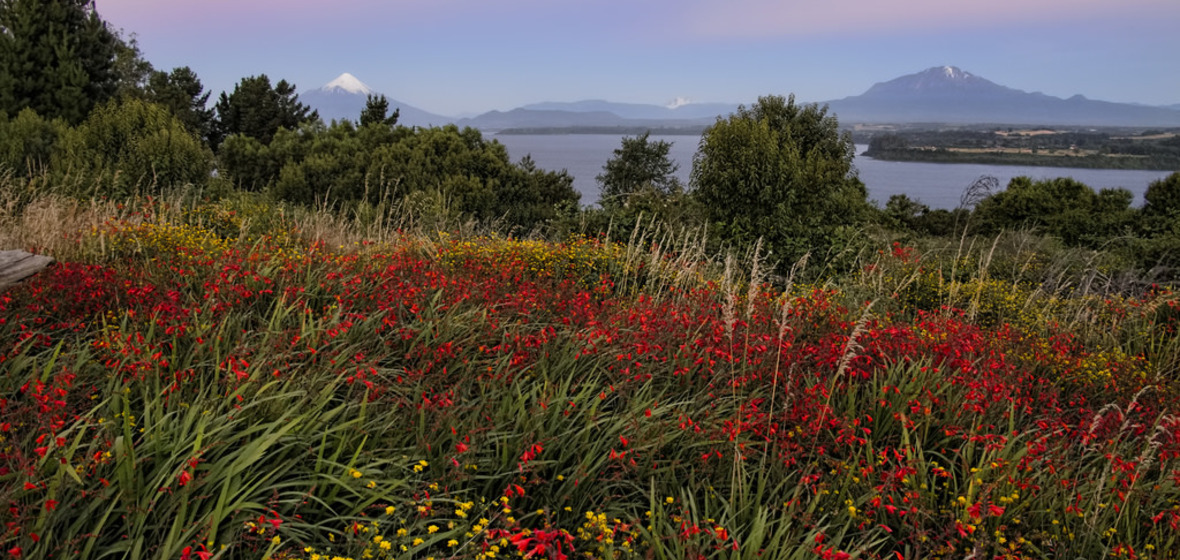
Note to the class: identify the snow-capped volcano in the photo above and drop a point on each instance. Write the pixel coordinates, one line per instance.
(346, 96)
(347, 83)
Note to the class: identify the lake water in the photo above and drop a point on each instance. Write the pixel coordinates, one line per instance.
(938, 185)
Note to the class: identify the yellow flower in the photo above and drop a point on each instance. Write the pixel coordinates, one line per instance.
(432, 529)
(389, 510)
(416, 542)
(669, 499)
(276, 540)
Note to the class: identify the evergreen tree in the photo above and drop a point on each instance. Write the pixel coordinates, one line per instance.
(181, 92)
(258, 110)
(638, 165)
(376, 108)
(58, 58)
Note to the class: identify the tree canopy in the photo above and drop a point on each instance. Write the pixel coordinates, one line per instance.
(57, 57)
(638, 164)
(258, 110)
(376, 111)
(181, 92)
(779, 171)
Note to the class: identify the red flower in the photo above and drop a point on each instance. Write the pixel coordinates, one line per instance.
(184, 478)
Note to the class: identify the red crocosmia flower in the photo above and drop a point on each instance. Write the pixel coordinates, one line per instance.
(461, 447)
(995, 510)
(30, 486)
(15, 552)
(41, 451)
(51, 504)
(624, 441)
(184, 478)
(975, 511)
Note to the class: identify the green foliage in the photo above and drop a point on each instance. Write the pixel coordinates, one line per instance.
(904, 212)
(1161, 207)
(779, 171)
(638, 167)
(27, 142)
(345, 164)
(1159, 224)
(375, 111)
(58, 58)
(131, 144)
(1061, 207)
(132, 71)
(258, 110)
(181, 92)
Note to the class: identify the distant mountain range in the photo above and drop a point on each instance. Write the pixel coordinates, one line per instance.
(943, 94)
(949, 95)
(345, 98)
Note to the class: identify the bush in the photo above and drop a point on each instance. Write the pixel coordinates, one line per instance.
(129, 145)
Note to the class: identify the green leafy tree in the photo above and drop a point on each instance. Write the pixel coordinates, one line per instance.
(782, 172)
(638, 165)
(1161, 206)
(57, 58)
(903, 212)
(181, 92)
(258, 110)
(375, 111)
(1060, 207)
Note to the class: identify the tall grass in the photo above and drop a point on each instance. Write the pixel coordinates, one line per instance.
(240, 379)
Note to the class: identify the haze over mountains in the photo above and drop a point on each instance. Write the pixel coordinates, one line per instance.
(943, 94)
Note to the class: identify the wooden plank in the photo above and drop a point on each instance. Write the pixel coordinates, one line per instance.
(18, 265)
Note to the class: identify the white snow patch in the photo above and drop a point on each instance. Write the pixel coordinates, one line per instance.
(348, 83)
(678, 102)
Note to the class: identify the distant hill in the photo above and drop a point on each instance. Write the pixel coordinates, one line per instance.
(539, 119)
(947, 94)
(345, 97)
(639, 110)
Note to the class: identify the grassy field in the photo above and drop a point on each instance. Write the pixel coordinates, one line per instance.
(233, 379)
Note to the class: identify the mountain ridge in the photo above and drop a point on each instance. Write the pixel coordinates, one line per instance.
(940, 94)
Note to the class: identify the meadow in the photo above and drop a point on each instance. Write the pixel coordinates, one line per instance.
(204, 378)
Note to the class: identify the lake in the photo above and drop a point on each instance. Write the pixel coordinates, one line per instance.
(938, 185)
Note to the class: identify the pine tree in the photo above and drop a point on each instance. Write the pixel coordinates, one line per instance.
(376, 109)
(257, 110)
(181, 92)
(58, 58)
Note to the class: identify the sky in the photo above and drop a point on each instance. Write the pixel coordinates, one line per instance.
(464, 57)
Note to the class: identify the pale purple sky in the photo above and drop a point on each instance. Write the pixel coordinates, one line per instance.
(469, 56)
